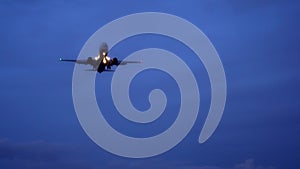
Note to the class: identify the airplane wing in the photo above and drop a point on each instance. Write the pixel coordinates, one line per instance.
(117, 62)
(90, 61)
(105, 70)
(126, 62)
(76, 61)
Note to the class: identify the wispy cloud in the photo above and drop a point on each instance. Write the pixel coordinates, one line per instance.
(38, 155)
(249, 164)
(45, 155)
(163, 164)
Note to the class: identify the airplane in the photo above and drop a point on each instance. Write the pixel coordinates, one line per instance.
(102, 62)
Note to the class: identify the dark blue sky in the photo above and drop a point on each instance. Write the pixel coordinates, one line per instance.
(258, 43)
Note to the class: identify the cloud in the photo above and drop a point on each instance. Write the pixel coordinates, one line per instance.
(249, 164)
(156, 163)
(45, 155)
(162, 164)
(159, 163)
(38, 155)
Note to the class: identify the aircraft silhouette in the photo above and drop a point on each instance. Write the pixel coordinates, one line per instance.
(102, 62)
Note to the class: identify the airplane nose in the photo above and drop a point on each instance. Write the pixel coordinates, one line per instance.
(115, 61)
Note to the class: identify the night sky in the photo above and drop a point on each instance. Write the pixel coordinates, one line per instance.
(258, 44)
